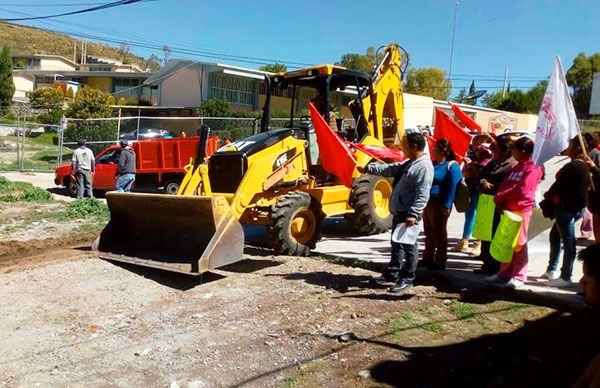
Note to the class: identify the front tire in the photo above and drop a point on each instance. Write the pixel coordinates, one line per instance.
(295, 224)
(370, 198)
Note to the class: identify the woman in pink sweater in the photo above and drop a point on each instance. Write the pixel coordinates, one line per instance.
(517, 194)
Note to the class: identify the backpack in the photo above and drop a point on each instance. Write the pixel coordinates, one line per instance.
(462, 197)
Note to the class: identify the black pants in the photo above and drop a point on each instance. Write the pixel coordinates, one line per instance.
(489, 263)
(403, 263)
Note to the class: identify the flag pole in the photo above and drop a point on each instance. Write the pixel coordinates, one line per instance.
(579, 134)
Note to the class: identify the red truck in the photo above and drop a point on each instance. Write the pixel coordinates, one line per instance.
(159, 164)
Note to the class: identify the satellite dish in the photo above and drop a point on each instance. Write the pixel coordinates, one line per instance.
(475, 95)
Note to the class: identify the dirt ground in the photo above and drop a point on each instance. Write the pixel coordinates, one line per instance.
(69, 318)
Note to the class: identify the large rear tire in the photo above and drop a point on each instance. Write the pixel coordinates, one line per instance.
(370, 198)
(295, 224)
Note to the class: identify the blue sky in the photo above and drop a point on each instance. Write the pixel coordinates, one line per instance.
(524, 35)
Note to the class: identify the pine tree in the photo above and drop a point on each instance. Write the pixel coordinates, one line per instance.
(7, 87)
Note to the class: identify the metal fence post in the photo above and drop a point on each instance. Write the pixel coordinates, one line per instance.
(137, 137)
(119, 125)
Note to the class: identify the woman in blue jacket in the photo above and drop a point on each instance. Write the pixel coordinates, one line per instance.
(446, 178)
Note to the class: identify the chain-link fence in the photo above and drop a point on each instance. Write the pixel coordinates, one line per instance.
(26, 146)
(589, 125)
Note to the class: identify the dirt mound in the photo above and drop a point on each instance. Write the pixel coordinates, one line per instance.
(15, 253)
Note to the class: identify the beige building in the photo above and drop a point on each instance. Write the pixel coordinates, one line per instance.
(32, 72)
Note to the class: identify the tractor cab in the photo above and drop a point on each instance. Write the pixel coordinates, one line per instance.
(335, 91)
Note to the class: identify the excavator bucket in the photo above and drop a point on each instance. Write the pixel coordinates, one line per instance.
(188, 234)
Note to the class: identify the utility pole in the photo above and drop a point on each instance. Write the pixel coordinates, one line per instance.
(504, 82)
(452, 44)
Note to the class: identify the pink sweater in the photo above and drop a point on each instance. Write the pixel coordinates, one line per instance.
(517, 190)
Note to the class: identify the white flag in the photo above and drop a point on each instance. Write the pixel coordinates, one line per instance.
(557, 123)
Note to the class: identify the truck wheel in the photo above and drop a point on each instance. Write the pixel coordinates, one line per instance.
(370, 198)
(71, 187)
(294, 224)
(171, 187)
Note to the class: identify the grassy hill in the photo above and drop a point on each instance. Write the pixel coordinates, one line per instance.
(29, 40)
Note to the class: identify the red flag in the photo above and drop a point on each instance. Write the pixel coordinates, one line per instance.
(379, 152)
(465, 119)
(335, 156)
(446, 128)
(431, 145)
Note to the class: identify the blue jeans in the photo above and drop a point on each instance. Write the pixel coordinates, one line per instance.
(124, 182)
(563, 231)
(470, 213)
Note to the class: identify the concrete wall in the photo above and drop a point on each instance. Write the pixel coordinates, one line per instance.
(498, 121)
(418, 110)
(55, 64)
(23, 84)
(595, 101)
(182, 89)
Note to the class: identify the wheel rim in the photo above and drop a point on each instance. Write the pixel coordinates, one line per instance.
(303, 226)
(382, 193)
(172, 188)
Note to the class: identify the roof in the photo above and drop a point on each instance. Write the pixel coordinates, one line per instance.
(177, 65)
(75, 73)
(49, 56)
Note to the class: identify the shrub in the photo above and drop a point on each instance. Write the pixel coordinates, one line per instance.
(35, 194)
(122, 101)
(86, 207)
(215, 107)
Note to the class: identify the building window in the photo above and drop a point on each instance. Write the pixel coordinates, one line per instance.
(101, 68)
(233, 89)
(44, 81)
(124, 86)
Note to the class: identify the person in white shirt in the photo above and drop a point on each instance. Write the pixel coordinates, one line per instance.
(83, 165)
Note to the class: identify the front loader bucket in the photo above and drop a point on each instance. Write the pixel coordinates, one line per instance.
(188, 234)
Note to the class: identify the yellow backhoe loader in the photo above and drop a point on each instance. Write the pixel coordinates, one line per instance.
(273, 178)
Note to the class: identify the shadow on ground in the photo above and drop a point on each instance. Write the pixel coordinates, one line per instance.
(533, 356)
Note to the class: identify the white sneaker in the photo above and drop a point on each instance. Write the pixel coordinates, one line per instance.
(560, 283)
(494, 279)
(513, 284)
(550, 275)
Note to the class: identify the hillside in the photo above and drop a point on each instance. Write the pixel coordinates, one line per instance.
(28, 40)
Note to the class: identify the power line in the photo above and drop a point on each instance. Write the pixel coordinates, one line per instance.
(86, 10)
(50, 5)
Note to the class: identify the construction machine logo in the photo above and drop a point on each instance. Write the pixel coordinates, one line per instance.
(283, 158)
(548, 126)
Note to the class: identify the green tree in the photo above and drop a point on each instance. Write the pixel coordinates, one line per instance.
(91, 103)
(518, 101)
(215, 107)
(580, 77)
(7, 87)
(428, 81)
(274, 68)
(70, 93)
(460, 97)
(50, 102)
(365, 63)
